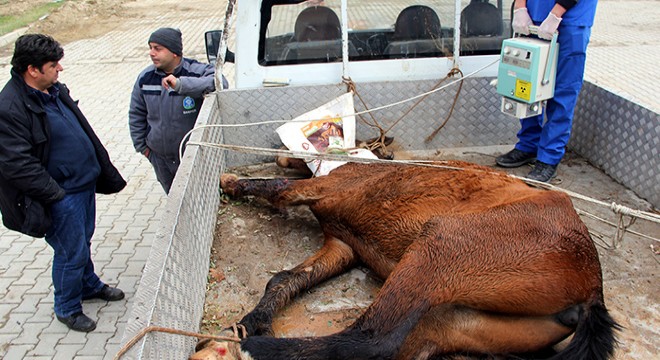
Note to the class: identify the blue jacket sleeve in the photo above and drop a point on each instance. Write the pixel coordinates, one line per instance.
(198, 86)
(137, 119)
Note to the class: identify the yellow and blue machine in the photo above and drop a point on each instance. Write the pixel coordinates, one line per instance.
(526, 74)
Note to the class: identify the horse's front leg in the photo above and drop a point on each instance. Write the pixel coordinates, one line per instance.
(334, 258)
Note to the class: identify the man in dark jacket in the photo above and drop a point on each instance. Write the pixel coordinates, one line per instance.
(51, 165)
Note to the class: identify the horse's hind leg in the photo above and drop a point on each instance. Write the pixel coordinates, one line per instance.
(449, 268)
(456, 329)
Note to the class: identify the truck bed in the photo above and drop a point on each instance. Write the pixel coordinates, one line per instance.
(253, 241)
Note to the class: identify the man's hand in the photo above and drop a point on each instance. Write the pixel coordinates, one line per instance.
(146, 152)
(170, 82)
(521, 21)
(549, 26)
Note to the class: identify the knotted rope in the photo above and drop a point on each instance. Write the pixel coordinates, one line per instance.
(379, 142)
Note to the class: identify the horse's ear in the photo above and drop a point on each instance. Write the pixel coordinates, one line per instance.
(202, 344)
(293, 163)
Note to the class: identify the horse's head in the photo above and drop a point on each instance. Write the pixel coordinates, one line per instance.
(214, 350)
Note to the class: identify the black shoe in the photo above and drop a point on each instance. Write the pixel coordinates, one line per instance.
(107, 293)
(78, 322)
(515, 158)
(543, 172)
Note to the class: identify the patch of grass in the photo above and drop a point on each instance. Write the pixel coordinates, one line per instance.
(9, 23)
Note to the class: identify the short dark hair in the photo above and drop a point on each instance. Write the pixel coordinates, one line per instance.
(35, 50)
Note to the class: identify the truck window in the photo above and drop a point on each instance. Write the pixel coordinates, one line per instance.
(484, 24)
(299, 32)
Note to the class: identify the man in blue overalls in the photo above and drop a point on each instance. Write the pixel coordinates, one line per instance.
(546, 143)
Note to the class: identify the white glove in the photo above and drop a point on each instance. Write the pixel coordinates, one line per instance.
(549, 26)
(521, 21)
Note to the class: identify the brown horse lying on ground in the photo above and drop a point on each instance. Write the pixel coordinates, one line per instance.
(476, 263)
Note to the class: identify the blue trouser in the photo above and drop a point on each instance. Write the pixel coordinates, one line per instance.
(549, 140)
(70, 237)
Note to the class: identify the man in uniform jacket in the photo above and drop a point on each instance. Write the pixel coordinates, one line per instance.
(165, 102)
(51, 165)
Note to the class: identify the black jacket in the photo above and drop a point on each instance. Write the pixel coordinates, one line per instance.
(26, 188)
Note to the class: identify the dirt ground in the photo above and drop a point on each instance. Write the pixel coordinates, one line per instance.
(76, 20)
(253, 241)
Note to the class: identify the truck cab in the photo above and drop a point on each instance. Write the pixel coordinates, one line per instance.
(314, 42)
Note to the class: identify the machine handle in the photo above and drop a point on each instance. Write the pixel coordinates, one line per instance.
(551, 56)
(534, 29)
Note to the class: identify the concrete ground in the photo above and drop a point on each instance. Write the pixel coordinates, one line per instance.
(101, 72)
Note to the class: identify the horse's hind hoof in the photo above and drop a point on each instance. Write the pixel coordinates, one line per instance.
(569, 317)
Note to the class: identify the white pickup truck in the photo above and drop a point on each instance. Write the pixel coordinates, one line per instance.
(420, 73)
(299, 43)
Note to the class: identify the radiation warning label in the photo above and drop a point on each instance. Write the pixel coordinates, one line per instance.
(523, 89)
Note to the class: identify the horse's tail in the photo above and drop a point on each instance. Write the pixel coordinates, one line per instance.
(594, 338)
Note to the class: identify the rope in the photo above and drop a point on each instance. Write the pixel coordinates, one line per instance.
(145, 331)
(618, 209)
(618, 236)
(185, 137)
(621, 228)
(453, 72)
(379, 143)
(655, 252)
(320, 156)
(597, 238)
